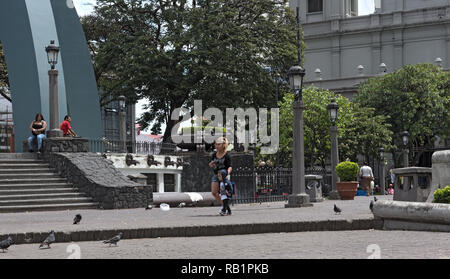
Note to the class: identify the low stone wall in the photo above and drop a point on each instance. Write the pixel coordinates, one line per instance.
(97, 177)
(440, 172)
(418, 216)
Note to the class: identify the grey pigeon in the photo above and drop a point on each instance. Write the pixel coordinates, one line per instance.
(49, 240)
(371, 206)
(182, 204)
(77, 219)
(375, 199)
(337, 209)
(4, 245)
(149, 207)
(114, 240)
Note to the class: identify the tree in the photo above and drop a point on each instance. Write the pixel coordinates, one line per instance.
(415, 98)
(173, 52)
(359, 130)
(4, 81)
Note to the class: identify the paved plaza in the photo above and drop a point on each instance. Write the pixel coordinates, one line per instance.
(305, 245)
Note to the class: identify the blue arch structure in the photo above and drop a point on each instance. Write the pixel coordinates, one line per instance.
(26, 27)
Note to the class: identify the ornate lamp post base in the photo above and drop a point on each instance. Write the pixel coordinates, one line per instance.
(55, 133)
(300, 200)
(334, 195)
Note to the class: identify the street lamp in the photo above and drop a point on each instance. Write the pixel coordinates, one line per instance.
(52, 57)
(405, 139)
(382, 175)
(333, 109)
(299, 198)
(122, 126)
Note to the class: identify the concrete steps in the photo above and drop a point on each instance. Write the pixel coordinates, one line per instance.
(28, 184)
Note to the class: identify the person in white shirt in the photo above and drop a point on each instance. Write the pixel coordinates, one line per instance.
(366, 175)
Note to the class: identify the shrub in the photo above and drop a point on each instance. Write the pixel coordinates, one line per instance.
(442, 195)
(347, 171)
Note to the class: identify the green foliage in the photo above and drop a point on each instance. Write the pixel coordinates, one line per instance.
(415, 98)
(4, 81)
(360, 131)
(347, 171)
(174, 52)
(442, 195)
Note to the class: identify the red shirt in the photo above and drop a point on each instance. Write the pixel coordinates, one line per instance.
(65, 126)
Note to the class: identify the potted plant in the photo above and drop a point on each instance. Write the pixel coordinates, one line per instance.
(348, 174)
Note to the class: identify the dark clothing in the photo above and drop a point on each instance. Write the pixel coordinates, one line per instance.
(221, 164)
(37, 126)
(226, 206)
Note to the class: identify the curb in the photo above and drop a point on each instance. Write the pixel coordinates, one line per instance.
(197, 231)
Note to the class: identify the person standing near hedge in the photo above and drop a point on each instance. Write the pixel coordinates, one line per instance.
(366, 175)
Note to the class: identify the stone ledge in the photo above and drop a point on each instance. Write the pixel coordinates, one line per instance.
(413, 215)
(196, 231)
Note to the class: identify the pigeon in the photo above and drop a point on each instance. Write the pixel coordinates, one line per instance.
(49, 240)
(337, 209)
(371, 206)
(114, 240)
(4, 245)
(375, 199)
(183, 204)
(149, 207)
(77, 219)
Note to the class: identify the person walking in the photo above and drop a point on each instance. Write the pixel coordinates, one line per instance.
(226, 191)
(366, 175)
(220, 160)
(37, 128)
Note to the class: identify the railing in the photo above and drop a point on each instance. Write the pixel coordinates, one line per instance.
(143, 148)
(269, 184)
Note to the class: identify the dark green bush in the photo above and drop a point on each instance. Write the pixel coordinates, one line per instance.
(347, 171)
(442, 195)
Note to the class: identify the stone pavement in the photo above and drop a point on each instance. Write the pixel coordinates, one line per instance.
(301, 245)
(33, 227)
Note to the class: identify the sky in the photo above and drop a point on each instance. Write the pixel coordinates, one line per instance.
(85, 7)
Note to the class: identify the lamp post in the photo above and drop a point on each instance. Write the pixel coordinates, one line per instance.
(122, 125)
(405, 139)
(333, 108)
(382, 175)
(296, 73)
(52, 57)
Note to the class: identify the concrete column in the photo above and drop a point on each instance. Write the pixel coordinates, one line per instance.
(178, 182)
(334, 195)
(160, 182)
(382, 176)
(299, 198)
(54, 105)
(122, 131)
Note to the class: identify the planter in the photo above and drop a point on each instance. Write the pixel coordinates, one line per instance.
(347, 190)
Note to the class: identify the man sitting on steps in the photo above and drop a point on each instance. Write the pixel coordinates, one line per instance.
(66, 128)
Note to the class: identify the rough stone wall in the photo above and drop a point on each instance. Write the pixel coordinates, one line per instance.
(97, 177)
(196, 176)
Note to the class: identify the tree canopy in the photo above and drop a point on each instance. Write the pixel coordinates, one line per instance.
(415, 98)
(174, 52)
(360, 131)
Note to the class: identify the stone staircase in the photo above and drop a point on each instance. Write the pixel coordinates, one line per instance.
(29, 184)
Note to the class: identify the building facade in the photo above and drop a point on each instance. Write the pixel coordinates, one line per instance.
(344, 49)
